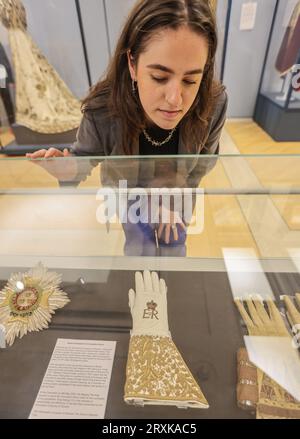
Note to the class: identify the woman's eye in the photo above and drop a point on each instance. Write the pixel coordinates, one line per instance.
(189, 82)
(162, 80)
(159, 79)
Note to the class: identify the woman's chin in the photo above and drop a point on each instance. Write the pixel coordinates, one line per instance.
(165, 125)
(163, 122)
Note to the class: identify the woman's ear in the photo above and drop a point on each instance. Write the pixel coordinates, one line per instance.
(131, 65)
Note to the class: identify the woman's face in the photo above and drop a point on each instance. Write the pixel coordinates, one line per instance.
(169, 74)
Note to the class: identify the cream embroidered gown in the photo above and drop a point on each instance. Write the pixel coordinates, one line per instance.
(43, 101)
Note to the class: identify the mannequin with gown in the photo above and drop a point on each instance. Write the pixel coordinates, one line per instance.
(44, 104)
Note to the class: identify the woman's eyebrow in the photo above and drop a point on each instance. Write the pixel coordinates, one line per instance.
(167, 70)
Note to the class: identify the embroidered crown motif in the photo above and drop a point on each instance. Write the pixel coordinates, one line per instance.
(151, 305)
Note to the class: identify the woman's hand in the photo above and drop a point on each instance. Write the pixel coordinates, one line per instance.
(63, 170)
(48, 153)
(164, 231)
(171, 226)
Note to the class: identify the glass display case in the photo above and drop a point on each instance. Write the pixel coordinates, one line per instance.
(224, 234)
(278, 104)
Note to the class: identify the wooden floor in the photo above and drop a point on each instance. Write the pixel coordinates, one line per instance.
(251, 139)
(6, 136)
(273, 221)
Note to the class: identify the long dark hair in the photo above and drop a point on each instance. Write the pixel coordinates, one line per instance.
(114, 95)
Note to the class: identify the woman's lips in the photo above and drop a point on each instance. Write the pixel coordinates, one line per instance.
(170, 114)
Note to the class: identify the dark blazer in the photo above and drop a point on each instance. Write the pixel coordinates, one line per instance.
(100, 136)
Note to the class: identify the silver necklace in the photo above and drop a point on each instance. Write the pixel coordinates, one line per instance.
(155, 142)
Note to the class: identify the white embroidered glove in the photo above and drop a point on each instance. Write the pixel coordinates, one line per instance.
(156, 373)
(148, 305)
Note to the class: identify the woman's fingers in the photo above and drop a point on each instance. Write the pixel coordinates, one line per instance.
(175, 232)
(48, 153)
(52, 152)
(165, 229)
(160, 230)
(167, 233)
(67, 153)
(37, 155)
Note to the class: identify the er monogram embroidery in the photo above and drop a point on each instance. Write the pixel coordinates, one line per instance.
(151, 312)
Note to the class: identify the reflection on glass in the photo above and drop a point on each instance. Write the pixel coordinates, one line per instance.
(278, 359)
(245, 273)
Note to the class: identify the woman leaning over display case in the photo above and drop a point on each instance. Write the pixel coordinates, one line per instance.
(159, 95)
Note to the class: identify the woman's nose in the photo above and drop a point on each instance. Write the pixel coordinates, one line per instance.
(174, 96)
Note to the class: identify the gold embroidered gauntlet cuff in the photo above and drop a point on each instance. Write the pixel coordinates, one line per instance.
(157, 374)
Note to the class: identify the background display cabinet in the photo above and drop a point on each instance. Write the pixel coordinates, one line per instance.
(278, 103)
(87, 219)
